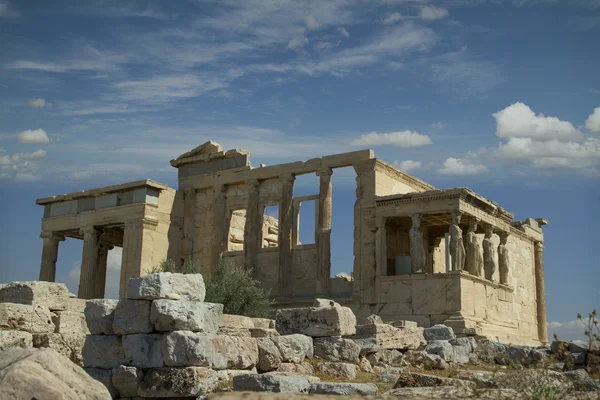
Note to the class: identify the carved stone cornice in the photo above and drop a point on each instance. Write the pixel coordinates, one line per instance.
(402, 176)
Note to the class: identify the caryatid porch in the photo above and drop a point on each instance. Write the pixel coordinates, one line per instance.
(137, 216)
(457, 234)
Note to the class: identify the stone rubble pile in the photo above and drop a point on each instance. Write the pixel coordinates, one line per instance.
(42, 314)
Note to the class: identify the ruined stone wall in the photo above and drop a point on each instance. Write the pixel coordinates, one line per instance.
(390, 180)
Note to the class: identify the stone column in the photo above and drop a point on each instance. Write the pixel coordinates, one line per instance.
(540, 292)
(474, 259)
(89, 263)
(503, 258)
(456, 244)
(100, 284)
(252, 227)
(490, 254)
(324, 232)
(418, 256)
(138, 251)
(189, 222)
(220, 235)
(286, 222)
(49, 255)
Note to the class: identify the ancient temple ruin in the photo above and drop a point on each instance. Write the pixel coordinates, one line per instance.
(431, 256)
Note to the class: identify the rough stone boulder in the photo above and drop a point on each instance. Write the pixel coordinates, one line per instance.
(126, 380)
(441, 348)
(269, 356)
(344, 371)
(439, 332)
(270, 383)
(411, 379)
(187, 315)
(99, 315)
(336, 349)
(294, 348)
(328, 319)
(390, 357)
(384, 336)
(68, 345)
(53, 295)
(343, 389)
(10, 339)
(235, 325)
(43, 374)
(178, 382)
(165, 285)
(28, 318)
(102, 351)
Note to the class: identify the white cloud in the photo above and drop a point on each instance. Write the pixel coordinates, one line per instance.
(518, 120)
(33, 136)
(297, 42)
(399, 139)
(592, 124)
(457, 166)
(438, 125)
(21, 167)
(81, 175)
(552, 153)
(311, 23)
(393, 17)
(408, 165)
(342, 31)
(39, 103)
(433, 13)
(570, 330)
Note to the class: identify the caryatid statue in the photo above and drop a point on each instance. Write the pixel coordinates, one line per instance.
(418, 257)
(490, 253)
(456, 245)
(503, 258)
(474, 261)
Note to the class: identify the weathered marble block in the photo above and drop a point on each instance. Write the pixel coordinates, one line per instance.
(235, 325)
(270, 383)
(132, 316)
(178, 382)
(69, 345)
(103, 351)
(264, 323)
(143, 350)
(24, 317)
(34, 292)
(10, 339)
(269, 356)
(294, 348)
(316, 321)
(165, 285)
(126, 380)
(99, 315)
(385, 336)
(343, 389)
(188, 315)
(183, 348)
(339, 370)
(439, 332)
(263, 332)
(104, 376)
(336, 349)
(70, 322)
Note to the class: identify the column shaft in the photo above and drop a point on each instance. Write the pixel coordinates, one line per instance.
(286, 223)
(324, 233)
(540, 292)
(89, 263)
(220, 237)
(138, 251)
(252, 227)
(418, 256)
(100, 284)
(49, 255)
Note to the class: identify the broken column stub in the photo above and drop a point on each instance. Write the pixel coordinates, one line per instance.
(166, 285)
(328, 319)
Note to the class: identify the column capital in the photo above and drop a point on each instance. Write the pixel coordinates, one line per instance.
(456, 214)
(503, 236)
(538, 245)
(54, 236)
(253, 184)
(287, 179)
(416, 220)
(87, 230)
(324, 171)
(489, 229)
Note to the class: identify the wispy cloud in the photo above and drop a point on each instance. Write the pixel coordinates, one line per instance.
(399, 139)
(39, 103)
(461, 167)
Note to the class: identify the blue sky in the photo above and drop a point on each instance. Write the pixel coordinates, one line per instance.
(502, 97)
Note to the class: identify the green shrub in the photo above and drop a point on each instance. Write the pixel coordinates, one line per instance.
(230, 285)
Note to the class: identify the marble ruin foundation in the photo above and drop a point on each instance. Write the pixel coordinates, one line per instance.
(421, 254)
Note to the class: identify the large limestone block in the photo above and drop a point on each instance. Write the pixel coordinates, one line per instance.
(343, 389)
(235, 325)
(165, 285)
(178, 382)
(70, 322)
(344, 371)
(182, 348)
(43, 374)
(35, 292)
(441, 348)
(390, 357)
(28, 318)
(101, 351)
(132, 316)
(269, 356)
(294, 348)
(264, 323)
(104, 376)
(270, 383)
(99, 315)
(389, 337)
(196, 316)
(11, 339)
(336, 349)
(316, 321)
(439, 332)
(126, 380)
(68, 345)
(143, 350)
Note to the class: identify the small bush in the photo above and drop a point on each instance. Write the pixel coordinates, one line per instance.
(230, 285)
